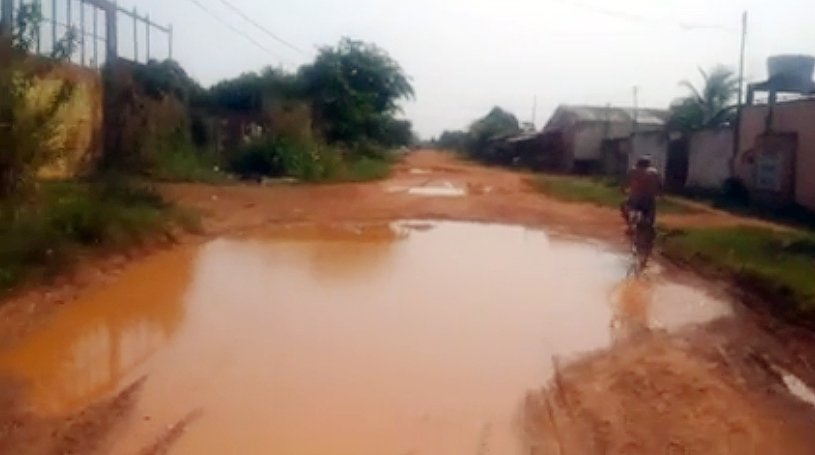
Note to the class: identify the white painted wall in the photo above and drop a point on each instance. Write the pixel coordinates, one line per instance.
(653, 144)
(709, 158)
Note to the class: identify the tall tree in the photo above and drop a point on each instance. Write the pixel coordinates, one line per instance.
(710, 105)
(354, 89)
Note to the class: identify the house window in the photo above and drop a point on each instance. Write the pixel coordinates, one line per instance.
(768, 172)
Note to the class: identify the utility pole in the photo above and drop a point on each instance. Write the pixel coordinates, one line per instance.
(737, 125)
(6, 18)
(636, 108)
(634, 125)
(534, 110)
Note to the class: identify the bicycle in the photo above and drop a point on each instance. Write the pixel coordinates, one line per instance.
(642, 234)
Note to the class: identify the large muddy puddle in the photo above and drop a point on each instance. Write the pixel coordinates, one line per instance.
(371, 339)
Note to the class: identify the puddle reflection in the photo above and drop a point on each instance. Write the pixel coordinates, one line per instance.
(380, 338)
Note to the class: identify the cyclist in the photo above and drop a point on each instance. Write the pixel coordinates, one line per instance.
(643, 185)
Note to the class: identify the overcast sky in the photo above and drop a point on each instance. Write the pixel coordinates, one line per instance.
(465, 56)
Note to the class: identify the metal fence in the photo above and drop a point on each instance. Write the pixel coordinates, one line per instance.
(100, 27)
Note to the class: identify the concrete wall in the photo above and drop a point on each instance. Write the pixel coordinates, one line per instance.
(790, 117)
(588, 138)
(79, 127)
(654, 144)
(709, 158)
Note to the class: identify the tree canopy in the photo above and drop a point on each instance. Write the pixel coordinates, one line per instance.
(707, 106)
(354, 89)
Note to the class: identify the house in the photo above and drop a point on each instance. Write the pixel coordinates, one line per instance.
(776, 152)
(583, 129)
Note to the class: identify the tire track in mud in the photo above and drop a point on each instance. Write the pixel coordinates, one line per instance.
(699, 391)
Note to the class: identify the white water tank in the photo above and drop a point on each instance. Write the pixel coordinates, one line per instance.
(791, 73)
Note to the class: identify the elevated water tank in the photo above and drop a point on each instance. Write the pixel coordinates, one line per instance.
(791, 73)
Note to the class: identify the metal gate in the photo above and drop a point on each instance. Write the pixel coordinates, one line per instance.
(95, 24)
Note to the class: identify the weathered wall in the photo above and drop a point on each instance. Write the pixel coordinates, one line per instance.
(653, 144)
(588, 138)
(709, 158)
(80, 121)
(791, 117)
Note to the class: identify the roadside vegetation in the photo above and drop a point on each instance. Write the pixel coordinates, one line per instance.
(45, 225)
(333, 120)
(595, 190)
(778, 266)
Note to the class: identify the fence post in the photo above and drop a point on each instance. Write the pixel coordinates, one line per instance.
(110, 116)
(53, 24)
(6, 17)
(111, 36)
(95, 37)
(82, 31)
(135, 35)
(147, 38)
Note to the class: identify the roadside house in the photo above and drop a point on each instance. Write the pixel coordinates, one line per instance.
(776, 153)
(583, 129)
(777, 162)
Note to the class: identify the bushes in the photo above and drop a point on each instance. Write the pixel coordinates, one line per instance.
(287, 158)
(42, 234)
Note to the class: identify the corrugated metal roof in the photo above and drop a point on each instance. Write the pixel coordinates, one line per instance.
(645, 116)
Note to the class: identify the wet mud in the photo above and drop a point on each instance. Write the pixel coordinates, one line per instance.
(410, 337)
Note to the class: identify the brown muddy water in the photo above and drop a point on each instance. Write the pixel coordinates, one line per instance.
(395, 338)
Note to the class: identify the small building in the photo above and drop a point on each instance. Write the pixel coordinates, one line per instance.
(583, 129)
(776, 152)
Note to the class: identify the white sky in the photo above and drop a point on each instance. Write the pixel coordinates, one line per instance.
(466, 56)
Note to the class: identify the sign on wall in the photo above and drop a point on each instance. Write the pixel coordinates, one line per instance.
(768, 172)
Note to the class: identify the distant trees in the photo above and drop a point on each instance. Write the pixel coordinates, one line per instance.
(479, 141)
(708, 105)
(498, 123)
(453, 140)
(354, 89)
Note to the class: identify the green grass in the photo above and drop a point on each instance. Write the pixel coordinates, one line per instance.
(780, 265)
(367, 169)
(45, 234)
(185, 164)
(598, 191)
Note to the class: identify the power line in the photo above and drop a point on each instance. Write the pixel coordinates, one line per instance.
(687, 26)
(261, 27)
(234, 29)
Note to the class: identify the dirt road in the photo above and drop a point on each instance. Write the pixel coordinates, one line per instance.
(224, 338)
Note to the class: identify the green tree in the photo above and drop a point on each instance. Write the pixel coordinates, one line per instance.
(354, 89)
(453, 140)
(710, 105)
(485, 131)
(256, 92)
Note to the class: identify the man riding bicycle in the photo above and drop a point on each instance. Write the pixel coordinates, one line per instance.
(643, 185)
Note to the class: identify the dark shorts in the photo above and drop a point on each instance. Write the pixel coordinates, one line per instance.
(646, 205)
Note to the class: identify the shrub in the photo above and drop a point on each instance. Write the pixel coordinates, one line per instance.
(42, 234)
(304, 160)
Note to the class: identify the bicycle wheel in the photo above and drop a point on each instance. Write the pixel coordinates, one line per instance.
(644, 243)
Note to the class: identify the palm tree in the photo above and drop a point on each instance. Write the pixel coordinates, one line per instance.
(710, 106)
